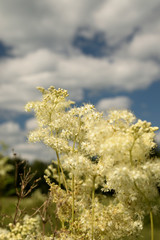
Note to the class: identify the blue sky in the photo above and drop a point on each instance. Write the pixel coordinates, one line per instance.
(103, 52)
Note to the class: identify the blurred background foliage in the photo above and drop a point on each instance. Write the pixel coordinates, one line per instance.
(8, 171)
(8, 168)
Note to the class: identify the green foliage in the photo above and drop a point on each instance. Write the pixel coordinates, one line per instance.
(5, 169)
(7, 188)
(39, 167)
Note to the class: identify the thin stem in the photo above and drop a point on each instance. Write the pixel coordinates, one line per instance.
(93, 203)
(17, 210)
(130, 152)
(139, 190)
(62, 222)
(59, 164)
(59, 177)
(151, 214)
(43, 228)
(74, 144)
(80, 124)
(60, 167)
(72, 201)
(73, 187)
(152, 225)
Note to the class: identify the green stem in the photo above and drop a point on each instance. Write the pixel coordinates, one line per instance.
(59, 177)
(152, 226)
(151, 214)
(93, 203)
(62, 222)
(139, 190)
(73, 187)
(72, 201)
(80, 124)
(74, 144)
(130, 152)
(60, 168)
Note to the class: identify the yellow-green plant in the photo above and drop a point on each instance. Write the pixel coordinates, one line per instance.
(110, 152)
(96, 152)
(29, 229)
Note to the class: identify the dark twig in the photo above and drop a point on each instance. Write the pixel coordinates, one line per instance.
(25, 178)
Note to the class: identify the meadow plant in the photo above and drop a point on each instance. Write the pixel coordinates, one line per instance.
(21, 190)
(94, 155)
(110, 152)
(28, 229)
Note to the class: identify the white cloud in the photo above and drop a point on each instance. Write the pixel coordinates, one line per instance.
(31, 25)
(31, 124)
(120, 18)
(32, 151)
(15, 138)
(157, 138)
(46, 55)
(145, 46)
(120, 102)
(41, 34)
(11, 133)
(21, 76)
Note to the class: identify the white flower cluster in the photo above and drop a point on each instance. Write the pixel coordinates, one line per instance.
(28, 230)
(111, 222)
(125, 155)
(97, 152)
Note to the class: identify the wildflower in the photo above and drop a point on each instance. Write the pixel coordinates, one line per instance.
(96, 152)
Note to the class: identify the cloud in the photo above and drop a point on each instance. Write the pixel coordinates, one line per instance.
(45, 68)
(51, 23)
(16, 138)
(31, 124)
(41, 36)
(157, 138)
(145, 46)
(44, 51)
(55, 23)
(11, 133)
(33, 151)
(120, 19)
(120, 102)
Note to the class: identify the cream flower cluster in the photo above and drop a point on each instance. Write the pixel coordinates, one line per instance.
(111, 222)
(28, 230)
(57, 123)
(94, 153)
(125, 155)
